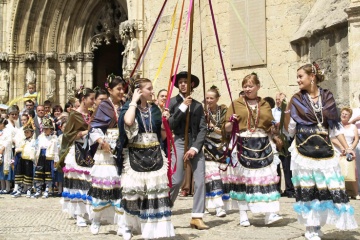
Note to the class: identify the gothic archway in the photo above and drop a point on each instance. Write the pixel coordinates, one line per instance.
(106, 43)
(107, 60)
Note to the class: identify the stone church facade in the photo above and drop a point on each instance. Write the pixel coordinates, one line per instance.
(61, 44)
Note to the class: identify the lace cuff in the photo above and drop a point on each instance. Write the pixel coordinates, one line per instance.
(132, 131)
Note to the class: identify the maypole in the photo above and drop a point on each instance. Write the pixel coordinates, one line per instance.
(188, 90)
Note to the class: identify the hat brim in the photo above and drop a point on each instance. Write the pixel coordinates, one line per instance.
(194, 79)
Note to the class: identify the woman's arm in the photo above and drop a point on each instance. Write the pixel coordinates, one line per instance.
(356, 138)
(343, 142)
(129, 117)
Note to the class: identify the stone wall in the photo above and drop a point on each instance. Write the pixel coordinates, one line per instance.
(330, 49)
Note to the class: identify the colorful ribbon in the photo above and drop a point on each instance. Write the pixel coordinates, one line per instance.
(173, 18)
(148, 40)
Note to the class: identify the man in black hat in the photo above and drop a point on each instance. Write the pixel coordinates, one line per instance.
(197, 131)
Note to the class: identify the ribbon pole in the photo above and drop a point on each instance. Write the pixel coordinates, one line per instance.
(221, 57)
(188, 89)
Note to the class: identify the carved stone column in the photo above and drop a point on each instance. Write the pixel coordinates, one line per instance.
(354, 51)
(79, 70)
(12, 85)
(88, 69)
(50, 58)
(62, 80)
(41, 76)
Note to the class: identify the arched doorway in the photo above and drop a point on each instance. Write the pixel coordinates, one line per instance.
(107, 60)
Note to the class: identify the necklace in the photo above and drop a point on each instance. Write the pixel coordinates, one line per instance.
(253, 116)
(86, 117)
(116, 110)
(215, 117)
(317, 108)
(146, 115)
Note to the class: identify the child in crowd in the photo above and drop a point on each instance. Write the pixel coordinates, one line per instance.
(31, 93)
(46, 154)
(25, 151)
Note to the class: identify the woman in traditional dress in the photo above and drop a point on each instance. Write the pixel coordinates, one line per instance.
(144, 179)
(106, 188)
(319, 187)
(217, 185)
(255, 177)
(77, 180)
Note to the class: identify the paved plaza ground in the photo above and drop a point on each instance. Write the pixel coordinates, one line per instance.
(42, 219)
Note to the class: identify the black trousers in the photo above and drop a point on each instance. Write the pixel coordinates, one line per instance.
(285, 161)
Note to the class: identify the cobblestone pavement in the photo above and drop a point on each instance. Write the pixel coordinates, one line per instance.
(24, 218)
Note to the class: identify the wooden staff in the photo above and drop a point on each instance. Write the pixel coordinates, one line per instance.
(188, 89)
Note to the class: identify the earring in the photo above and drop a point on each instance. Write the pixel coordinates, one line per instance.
(312, 81)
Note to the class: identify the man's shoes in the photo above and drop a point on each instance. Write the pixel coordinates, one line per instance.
(272, 218)
(198, 223)
(184, 193)
(45, 195)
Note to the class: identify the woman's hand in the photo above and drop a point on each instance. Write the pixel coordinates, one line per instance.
(351, 152)
(166, 113)
(105, 147)
(136, 96)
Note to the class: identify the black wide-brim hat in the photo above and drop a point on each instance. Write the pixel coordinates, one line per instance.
(194, 79)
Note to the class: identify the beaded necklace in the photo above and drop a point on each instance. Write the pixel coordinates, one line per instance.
(253, 116)
(86, 117)
(215, 119)
(317, 108)
(146, 114)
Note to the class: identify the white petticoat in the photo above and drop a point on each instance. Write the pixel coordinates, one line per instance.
(324, 175)
(75, 201)
(150, 185)
(105, 177)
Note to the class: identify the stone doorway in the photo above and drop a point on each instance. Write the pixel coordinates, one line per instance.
(107, 60)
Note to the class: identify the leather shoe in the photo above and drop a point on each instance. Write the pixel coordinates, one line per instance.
(198, 223)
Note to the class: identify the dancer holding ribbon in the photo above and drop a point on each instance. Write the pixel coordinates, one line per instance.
(255, 182)
(197, 132)
(319, 187)
(144, 180)
(216, 177)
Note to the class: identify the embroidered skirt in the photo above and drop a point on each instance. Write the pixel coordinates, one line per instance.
(319, 188)
(255, 178)
(146, 199)
(77, 181)
(105, 190)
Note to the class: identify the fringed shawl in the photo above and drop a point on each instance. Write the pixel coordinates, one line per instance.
(302, 112)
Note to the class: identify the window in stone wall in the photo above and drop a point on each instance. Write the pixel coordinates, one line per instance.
(242, 50)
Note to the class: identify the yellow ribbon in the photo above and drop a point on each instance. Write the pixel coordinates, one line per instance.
(173, 18)
(23, 98)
